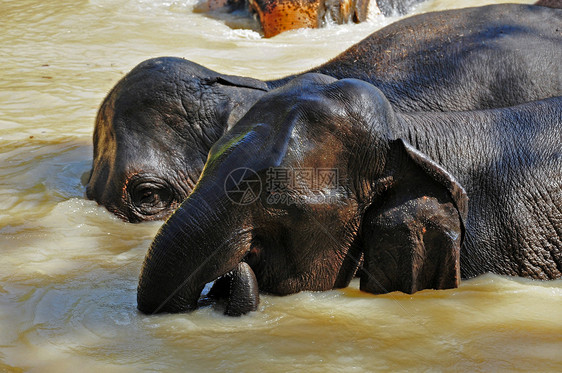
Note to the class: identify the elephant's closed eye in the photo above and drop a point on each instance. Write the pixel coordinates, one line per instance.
(151, 195)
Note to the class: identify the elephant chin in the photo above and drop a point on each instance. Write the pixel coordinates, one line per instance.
(238, 289)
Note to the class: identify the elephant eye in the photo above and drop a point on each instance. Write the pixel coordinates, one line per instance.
(151, 197)
(154, 197)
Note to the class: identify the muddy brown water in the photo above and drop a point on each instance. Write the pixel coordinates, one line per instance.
(69, 269)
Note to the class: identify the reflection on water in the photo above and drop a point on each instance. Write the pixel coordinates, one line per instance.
(69, 269)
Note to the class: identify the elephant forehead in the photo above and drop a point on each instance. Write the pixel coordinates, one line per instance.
(305, 90)
(160, 98)
(327, 102)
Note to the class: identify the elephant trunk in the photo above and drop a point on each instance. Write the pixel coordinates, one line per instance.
(211, 232)
(199, 243)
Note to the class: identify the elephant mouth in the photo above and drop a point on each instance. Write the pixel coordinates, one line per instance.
(237, 291)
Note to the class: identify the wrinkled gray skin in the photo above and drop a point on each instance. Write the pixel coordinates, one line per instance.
(155, 128)
(396, 7)
(425, 198)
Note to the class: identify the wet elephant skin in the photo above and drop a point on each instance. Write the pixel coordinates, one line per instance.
(425, 198)
(155, 128)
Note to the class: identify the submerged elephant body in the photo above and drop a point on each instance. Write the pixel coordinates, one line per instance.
(155, 128)
(425, 198)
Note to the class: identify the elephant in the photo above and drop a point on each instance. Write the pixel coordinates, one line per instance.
(277, 16)
(154, 129)
(422, 199)
(550, 3)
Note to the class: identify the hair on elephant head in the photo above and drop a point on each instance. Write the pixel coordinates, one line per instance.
(323, 181)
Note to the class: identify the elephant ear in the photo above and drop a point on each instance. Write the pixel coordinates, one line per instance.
(238, 81)
(240, 93)
(413, 231)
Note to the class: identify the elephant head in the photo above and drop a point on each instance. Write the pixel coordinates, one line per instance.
(154, 130)
(310, 180)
